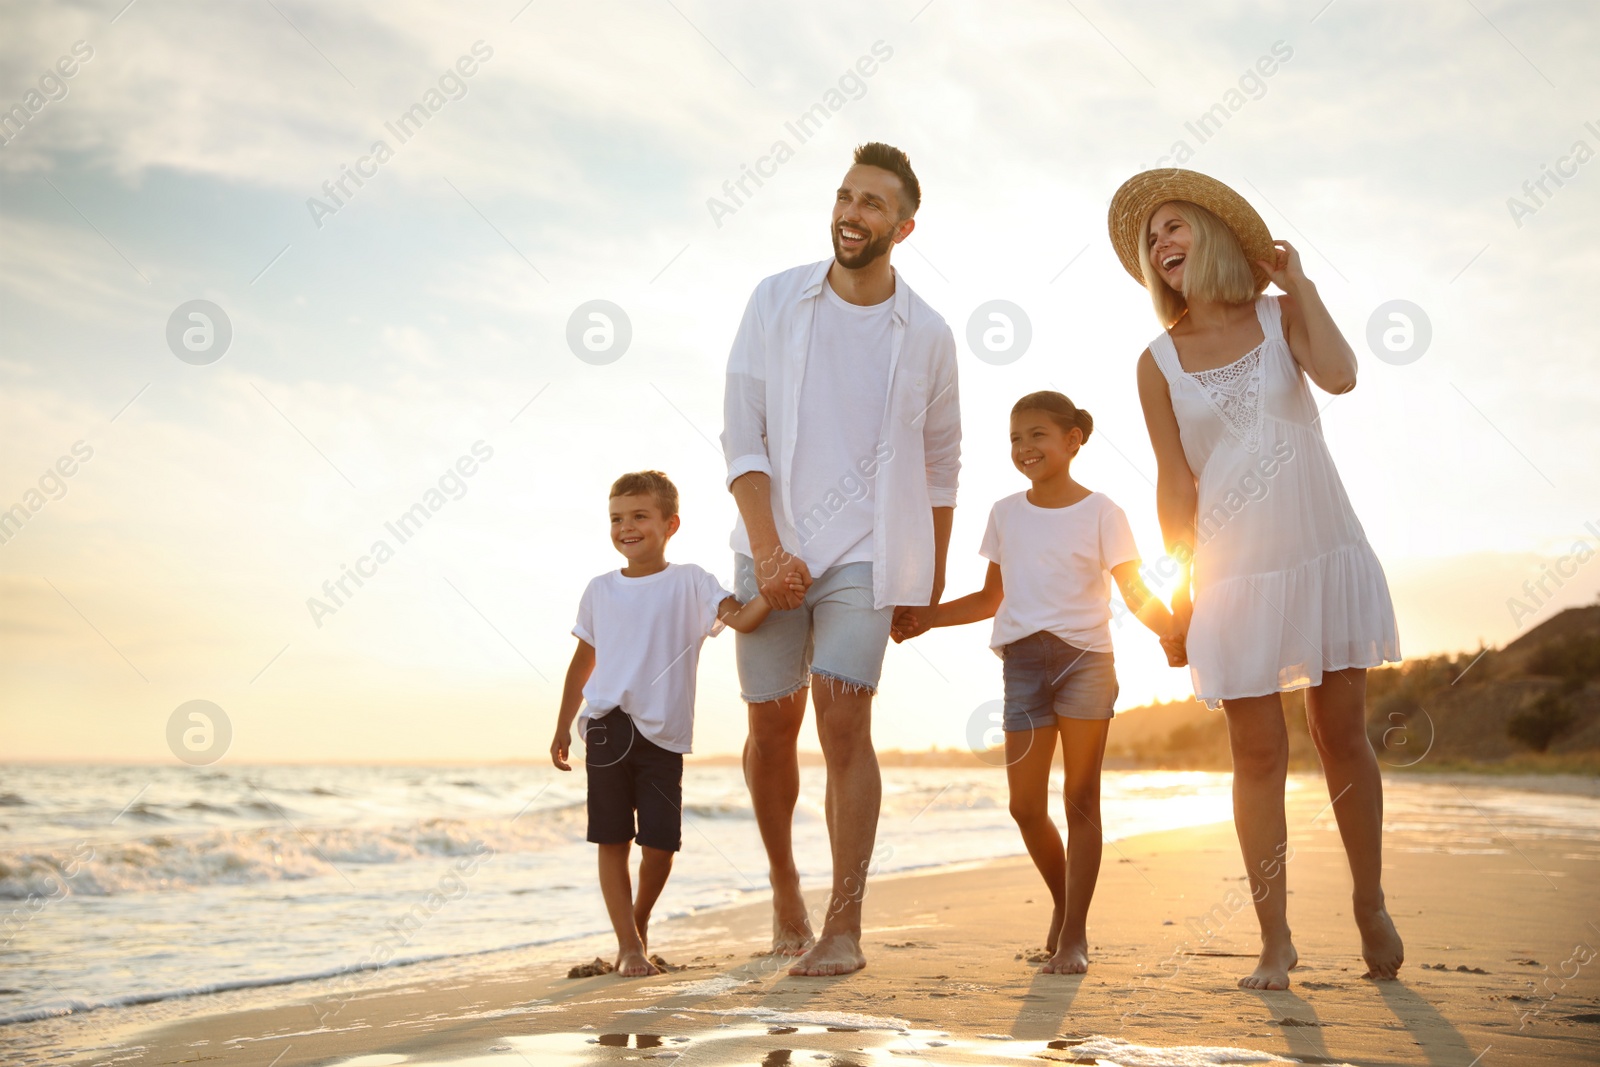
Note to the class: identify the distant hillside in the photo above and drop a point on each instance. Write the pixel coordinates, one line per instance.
(1533, 705)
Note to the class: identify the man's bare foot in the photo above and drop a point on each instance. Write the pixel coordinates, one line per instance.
(1071, 958)
(791, 929)
(1380, 942)
(1053, 939)
(833, 954)
(1278, 958)
(634, 965)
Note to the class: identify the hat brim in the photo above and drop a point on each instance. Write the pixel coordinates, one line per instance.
(1141, 194)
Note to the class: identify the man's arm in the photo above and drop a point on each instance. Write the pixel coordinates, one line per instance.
(943, 520)
(578, 672)
(744, 446)
(775, 567)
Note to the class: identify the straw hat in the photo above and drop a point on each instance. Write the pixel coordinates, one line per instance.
(1144, 192)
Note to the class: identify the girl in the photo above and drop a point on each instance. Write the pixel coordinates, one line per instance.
(1049, 550)
(1287, 592)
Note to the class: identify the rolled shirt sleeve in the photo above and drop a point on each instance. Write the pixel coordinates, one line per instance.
(744, 399)
(941, 428)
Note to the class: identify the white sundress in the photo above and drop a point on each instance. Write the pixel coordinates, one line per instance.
(1286, 586)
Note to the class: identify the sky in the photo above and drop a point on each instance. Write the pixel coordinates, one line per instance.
(183, 501)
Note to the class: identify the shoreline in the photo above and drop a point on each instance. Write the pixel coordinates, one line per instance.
(946, 956)
(552, 947)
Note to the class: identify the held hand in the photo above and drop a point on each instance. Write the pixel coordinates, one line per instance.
(782, 578)
(910, 621)
(1284, 269)
(1175, 646)
(559, 749)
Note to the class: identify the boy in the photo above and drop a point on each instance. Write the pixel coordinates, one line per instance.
(639, 633)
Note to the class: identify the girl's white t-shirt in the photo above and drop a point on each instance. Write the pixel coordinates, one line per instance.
(1055, 564)
(646, 634)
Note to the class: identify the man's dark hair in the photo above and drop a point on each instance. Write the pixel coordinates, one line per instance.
(889, 158)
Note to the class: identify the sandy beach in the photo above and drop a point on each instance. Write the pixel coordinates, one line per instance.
(1500, 943)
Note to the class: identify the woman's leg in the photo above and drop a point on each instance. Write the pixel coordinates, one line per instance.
(1029, 755)
(1336, 713)
(1083, 746)
(1260, 746)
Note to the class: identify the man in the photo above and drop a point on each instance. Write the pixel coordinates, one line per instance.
(842, 435)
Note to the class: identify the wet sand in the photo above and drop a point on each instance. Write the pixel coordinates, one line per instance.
(1498, 932)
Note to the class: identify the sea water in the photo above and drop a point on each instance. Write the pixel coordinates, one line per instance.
(134, 884)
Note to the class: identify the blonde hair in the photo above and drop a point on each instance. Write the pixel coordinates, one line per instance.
(649, 483)
(1215, 269)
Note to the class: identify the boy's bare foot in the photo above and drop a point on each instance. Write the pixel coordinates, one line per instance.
(833, 954)
(1071, 958)
(791, 929)
(633, 965)
(1053, 939)
(1278, 958)
(1380, 942)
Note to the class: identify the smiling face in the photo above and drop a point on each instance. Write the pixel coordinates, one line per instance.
(1168, 239)
(866, 216)
(638, 529)
(1040, 448)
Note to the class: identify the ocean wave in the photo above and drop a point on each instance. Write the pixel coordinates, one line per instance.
(284, 852)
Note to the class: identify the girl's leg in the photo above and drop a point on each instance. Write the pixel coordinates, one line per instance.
(616, 887)
(1083, 745)
(654, 866)
(1336, 713)
(1029, 754)
(1260, 745)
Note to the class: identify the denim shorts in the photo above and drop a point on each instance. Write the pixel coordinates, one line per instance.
(1046, 677)
(835, 633)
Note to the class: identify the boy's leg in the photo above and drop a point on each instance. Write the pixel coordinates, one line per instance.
(658, 783)
(609, 743)
(616, 887)
(655, 865)
(773, 663)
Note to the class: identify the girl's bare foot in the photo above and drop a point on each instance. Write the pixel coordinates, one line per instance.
(833, 954)
(632, 964)
(1071, 958)
(1380, 942)
(1278, 958)
(1052, 940)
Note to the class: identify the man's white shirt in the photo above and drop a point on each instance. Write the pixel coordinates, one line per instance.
(916, 439)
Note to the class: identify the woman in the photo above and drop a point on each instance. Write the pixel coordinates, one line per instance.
(1287, 594)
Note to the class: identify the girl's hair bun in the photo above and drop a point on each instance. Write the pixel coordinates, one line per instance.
(1064, 412)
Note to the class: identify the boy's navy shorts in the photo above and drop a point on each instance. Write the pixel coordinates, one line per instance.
(629, 773)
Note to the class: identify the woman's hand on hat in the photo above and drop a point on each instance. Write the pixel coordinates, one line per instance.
(1286, 272)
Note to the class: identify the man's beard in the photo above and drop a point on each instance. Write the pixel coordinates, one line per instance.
(857, 260)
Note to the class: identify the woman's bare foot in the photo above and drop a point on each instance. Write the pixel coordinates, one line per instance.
(1380, 942)
(1278, 958)
(1052, 940)
(833, 954)
(634, 965)
(1071, 958)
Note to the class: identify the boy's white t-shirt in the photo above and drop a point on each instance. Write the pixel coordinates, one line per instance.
(1055, 564)
(646, 634)
(843, 394)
